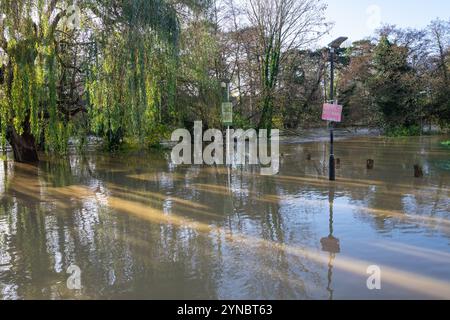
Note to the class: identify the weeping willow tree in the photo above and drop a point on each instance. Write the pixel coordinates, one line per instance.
(30, 109)
(118, 68)
(131, 86)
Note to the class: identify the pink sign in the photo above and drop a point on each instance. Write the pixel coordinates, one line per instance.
(332, 112)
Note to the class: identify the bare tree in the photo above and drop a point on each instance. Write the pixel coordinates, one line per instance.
(440, 37)
(282, 25)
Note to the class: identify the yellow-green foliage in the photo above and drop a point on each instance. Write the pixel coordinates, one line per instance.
(60, 137)
(29, 95)
(129, 77)
(127, 86)
(4, 117)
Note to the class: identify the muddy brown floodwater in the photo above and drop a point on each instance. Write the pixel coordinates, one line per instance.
(139, 227)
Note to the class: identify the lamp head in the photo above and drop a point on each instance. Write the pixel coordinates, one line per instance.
(225, 82)
(338, 42)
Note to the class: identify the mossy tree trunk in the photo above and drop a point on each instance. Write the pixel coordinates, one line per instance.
(24, 146)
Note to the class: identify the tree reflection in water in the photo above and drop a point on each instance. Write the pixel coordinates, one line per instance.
(140, 227)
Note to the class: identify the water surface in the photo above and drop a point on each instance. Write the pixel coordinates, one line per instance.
(141, 228)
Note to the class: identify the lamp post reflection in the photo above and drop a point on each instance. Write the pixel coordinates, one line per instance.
(228, 205)
(331, 244)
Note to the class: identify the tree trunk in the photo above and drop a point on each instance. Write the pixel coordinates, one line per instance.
(24, 146)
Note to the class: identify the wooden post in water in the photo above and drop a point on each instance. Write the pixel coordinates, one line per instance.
(418, 171)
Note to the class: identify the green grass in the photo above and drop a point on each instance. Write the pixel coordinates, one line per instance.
(402, 131)
(446, 143)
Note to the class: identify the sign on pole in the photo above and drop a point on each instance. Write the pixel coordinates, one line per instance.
(227, 113)
(332, 112)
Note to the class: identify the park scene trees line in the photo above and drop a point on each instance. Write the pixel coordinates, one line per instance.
(179, 149)
(132, 71)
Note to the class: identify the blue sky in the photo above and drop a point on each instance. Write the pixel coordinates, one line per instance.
(357, 18)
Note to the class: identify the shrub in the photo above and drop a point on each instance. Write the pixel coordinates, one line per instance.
(402, 131)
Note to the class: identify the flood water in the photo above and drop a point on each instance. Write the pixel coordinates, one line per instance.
(139, 227)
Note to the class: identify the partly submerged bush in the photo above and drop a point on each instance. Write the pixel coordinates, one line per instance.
(403, 131)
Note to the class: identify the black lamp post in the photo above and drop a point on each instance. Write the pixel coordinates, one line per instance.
(333, 47)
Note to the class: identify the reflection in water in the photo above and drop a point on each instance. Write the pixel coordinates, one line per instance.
(331, 244)
(140, 227)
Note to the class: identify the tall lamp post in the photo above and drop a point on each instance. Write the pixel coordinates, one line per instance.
(333, 47)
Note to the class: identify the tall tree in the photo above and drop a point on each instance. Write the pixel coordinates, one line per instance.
(282, 25)
(131, 85)
(300, 93)
(393, 84)
(439, 75)
(354, 89)
(118, 65)
(31, 34)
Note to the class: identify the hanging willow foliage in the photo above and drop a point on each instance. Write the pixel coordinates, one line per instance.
(135, 77)
(29, 90)
(125, 82)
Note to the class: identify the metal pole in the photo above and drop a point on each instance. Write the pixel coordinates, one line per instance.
(332, 74)
(332, 164)
(228, 99)
(228, 130)
(331, 203)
